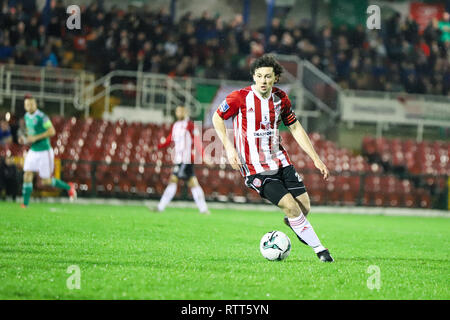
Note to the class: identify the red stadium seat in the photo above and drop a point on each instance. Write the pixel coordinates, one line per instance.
(424, 200)
(410, 200)
(121, 141)
(372, 183)
(379, 199)
(394, 200)
(253, 196)
(366, 199)
(335, 198)
(317, 197)
(349, 198)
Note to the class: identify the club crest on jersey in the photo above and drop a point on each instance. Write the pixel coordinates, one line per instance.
(224, 106)
(265, 125)
(257, 182)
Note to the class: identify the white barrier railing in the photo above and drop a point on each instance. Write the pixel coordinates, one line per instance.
(44, 83)
(397, 108)
(139, 90)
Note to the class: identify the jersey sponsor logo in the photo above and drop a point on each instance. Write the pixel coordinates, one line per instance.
(262, 133)
(257, 182)
(224, 106)
(265, 129)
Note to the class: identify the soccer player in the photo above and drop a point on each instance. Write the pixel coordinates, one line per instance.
(40, 157)
(186, 140)
(257, 112)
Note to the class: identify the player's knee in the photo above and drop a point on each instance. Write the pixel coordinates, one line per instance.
(292, 210)
(28, 177)
(304, 203)
(173, 179)
(306, 208)
(46, 182)
(192, 182)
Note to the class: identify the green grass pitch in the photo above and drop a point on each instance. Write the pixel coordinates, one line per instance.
(127, 252)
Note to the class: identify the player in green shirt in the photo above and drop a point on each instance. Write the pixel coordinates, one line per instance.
(40, 157)
(444, 25)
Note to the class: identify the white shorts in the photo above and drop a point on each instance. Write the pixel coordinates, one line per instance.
(40, 161)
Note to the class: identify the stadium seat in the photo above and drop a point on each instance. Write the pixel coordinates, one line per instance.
(394, 199)
(317, 197)
(335, 198)
(424, 199)
(349, 198)
(130, 142)
(372, 183)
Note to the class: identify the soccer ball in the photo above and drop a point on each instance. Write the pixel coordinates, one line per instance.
(275, 245)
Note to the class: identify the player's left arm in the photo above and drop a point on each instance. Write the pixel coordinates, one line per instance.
(304, 142)
(50, 132)
(300, 135)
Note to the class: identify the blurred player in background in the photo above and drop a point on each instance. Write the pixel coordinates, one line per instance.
(257, 112)
(185, 136)
(40, 157)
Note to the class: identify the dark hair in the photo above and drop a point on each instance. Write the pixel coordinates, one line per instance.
(267, 60)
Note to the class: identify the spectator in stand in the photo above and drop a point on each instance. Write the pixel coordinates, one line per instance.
(5, 133)
(49, 58)
(444, 26)
(273, 44)
(6, 50)
(194, 45)
(9, 178)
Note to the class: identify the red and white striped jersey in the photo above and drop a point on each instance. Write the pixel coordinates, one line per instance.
(186, 139)
(256, 121)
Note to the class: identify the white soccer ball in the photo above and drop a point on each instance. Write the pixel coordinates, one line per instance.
(275, 245)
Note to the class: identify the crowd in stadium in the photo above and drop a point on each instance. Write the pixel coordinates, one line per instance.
(396, 58)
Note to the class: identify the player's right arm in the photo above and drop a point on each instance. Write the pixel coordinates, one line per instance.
(50, 132)
(219, 125)
(165, 144)
(47, 134)
(228, 108)
(22, 139)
